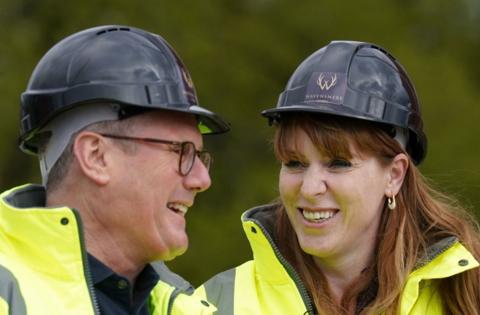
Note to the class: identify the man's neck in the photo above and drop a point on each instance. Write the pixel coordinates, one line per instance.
(109, 247)
(114, 259)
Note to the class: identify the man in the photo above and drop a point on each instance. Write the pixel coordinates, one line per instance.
(113, 116)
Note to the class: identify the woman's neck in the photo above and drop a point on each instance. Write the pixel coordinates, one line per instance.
(341, 273)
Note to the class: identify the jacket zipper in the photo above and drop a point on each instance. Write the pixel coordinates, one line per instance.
(86, 267)
(290, 270)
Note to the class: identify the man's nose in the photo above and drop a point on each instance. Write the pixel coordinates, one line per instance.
(199, 178)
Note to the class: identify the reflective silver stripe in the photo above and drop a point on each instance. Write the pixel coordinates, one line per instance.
(10, 292)
(220, 291)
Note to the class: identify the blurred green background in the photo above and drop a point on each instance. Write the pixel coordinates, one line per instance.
(240, 54)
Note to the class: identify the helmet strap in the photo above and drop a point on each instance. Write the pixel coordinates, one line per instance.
(62, 127)
(401, 136)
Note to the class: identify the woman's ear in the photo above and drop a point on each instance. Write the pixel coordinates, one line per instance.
(397, 170)
(89, 150)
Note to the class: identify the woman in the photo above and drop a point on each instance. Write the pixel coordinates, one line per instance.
(357, 229)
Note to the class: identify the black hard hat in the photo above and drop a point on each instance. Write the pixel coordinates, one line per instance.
(357, 80)
(127, 66)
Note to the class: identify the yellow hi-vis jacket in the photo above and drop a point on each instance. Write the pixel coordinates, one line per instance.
(268, 284)
(43, 263)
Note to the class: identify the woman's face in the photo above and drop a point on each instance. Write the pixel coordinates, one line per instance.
(333, 204)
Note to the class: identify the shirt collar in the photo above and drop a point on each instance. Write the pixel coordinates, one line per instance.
(100, 271)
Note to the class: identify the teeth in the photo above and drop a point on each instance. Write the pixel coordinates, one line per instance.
(178, 207)
(317, 215)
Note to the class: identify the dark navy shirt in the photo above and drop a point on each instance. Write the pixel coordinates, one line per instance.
(115, 294)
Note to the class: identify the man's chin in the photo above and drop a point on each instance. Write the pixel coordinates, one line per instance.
(174, 252)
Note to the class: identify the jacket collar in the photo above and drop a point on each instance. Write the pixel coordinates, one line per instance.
(270, 265)
(26, 196)
(258, 225)
(442, 259)
(263, 217)
(51, 236)
(46, 240)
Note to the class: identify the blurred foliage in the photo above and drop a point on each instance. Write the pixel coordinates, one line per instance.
(241, 54)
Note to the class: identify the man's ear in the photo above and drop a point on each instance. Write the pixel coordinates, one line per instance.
(397, 170)
(89, 149)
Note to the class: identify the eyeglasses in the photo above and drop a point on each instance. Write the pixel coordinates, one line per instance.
(185, 149)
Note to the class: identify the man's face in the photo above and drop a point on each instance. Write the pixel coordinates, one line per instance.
(152, 197)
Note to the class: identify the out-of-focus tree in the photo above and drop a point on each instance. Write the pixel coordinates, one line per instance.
(241, 54)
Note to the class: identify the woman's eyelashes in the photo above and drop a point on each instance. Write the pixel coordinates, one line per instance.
(334, 164)
(338, 163)
(294, 164)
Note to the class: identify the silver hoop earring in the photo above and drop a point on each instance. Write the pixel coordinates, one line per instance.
(392, 204)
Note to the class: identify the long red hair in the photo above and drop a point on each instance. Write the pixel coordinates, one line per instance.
(423, 216)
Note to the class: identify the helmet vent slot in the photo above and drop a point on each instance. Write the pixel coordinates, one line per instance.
(114, 29)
